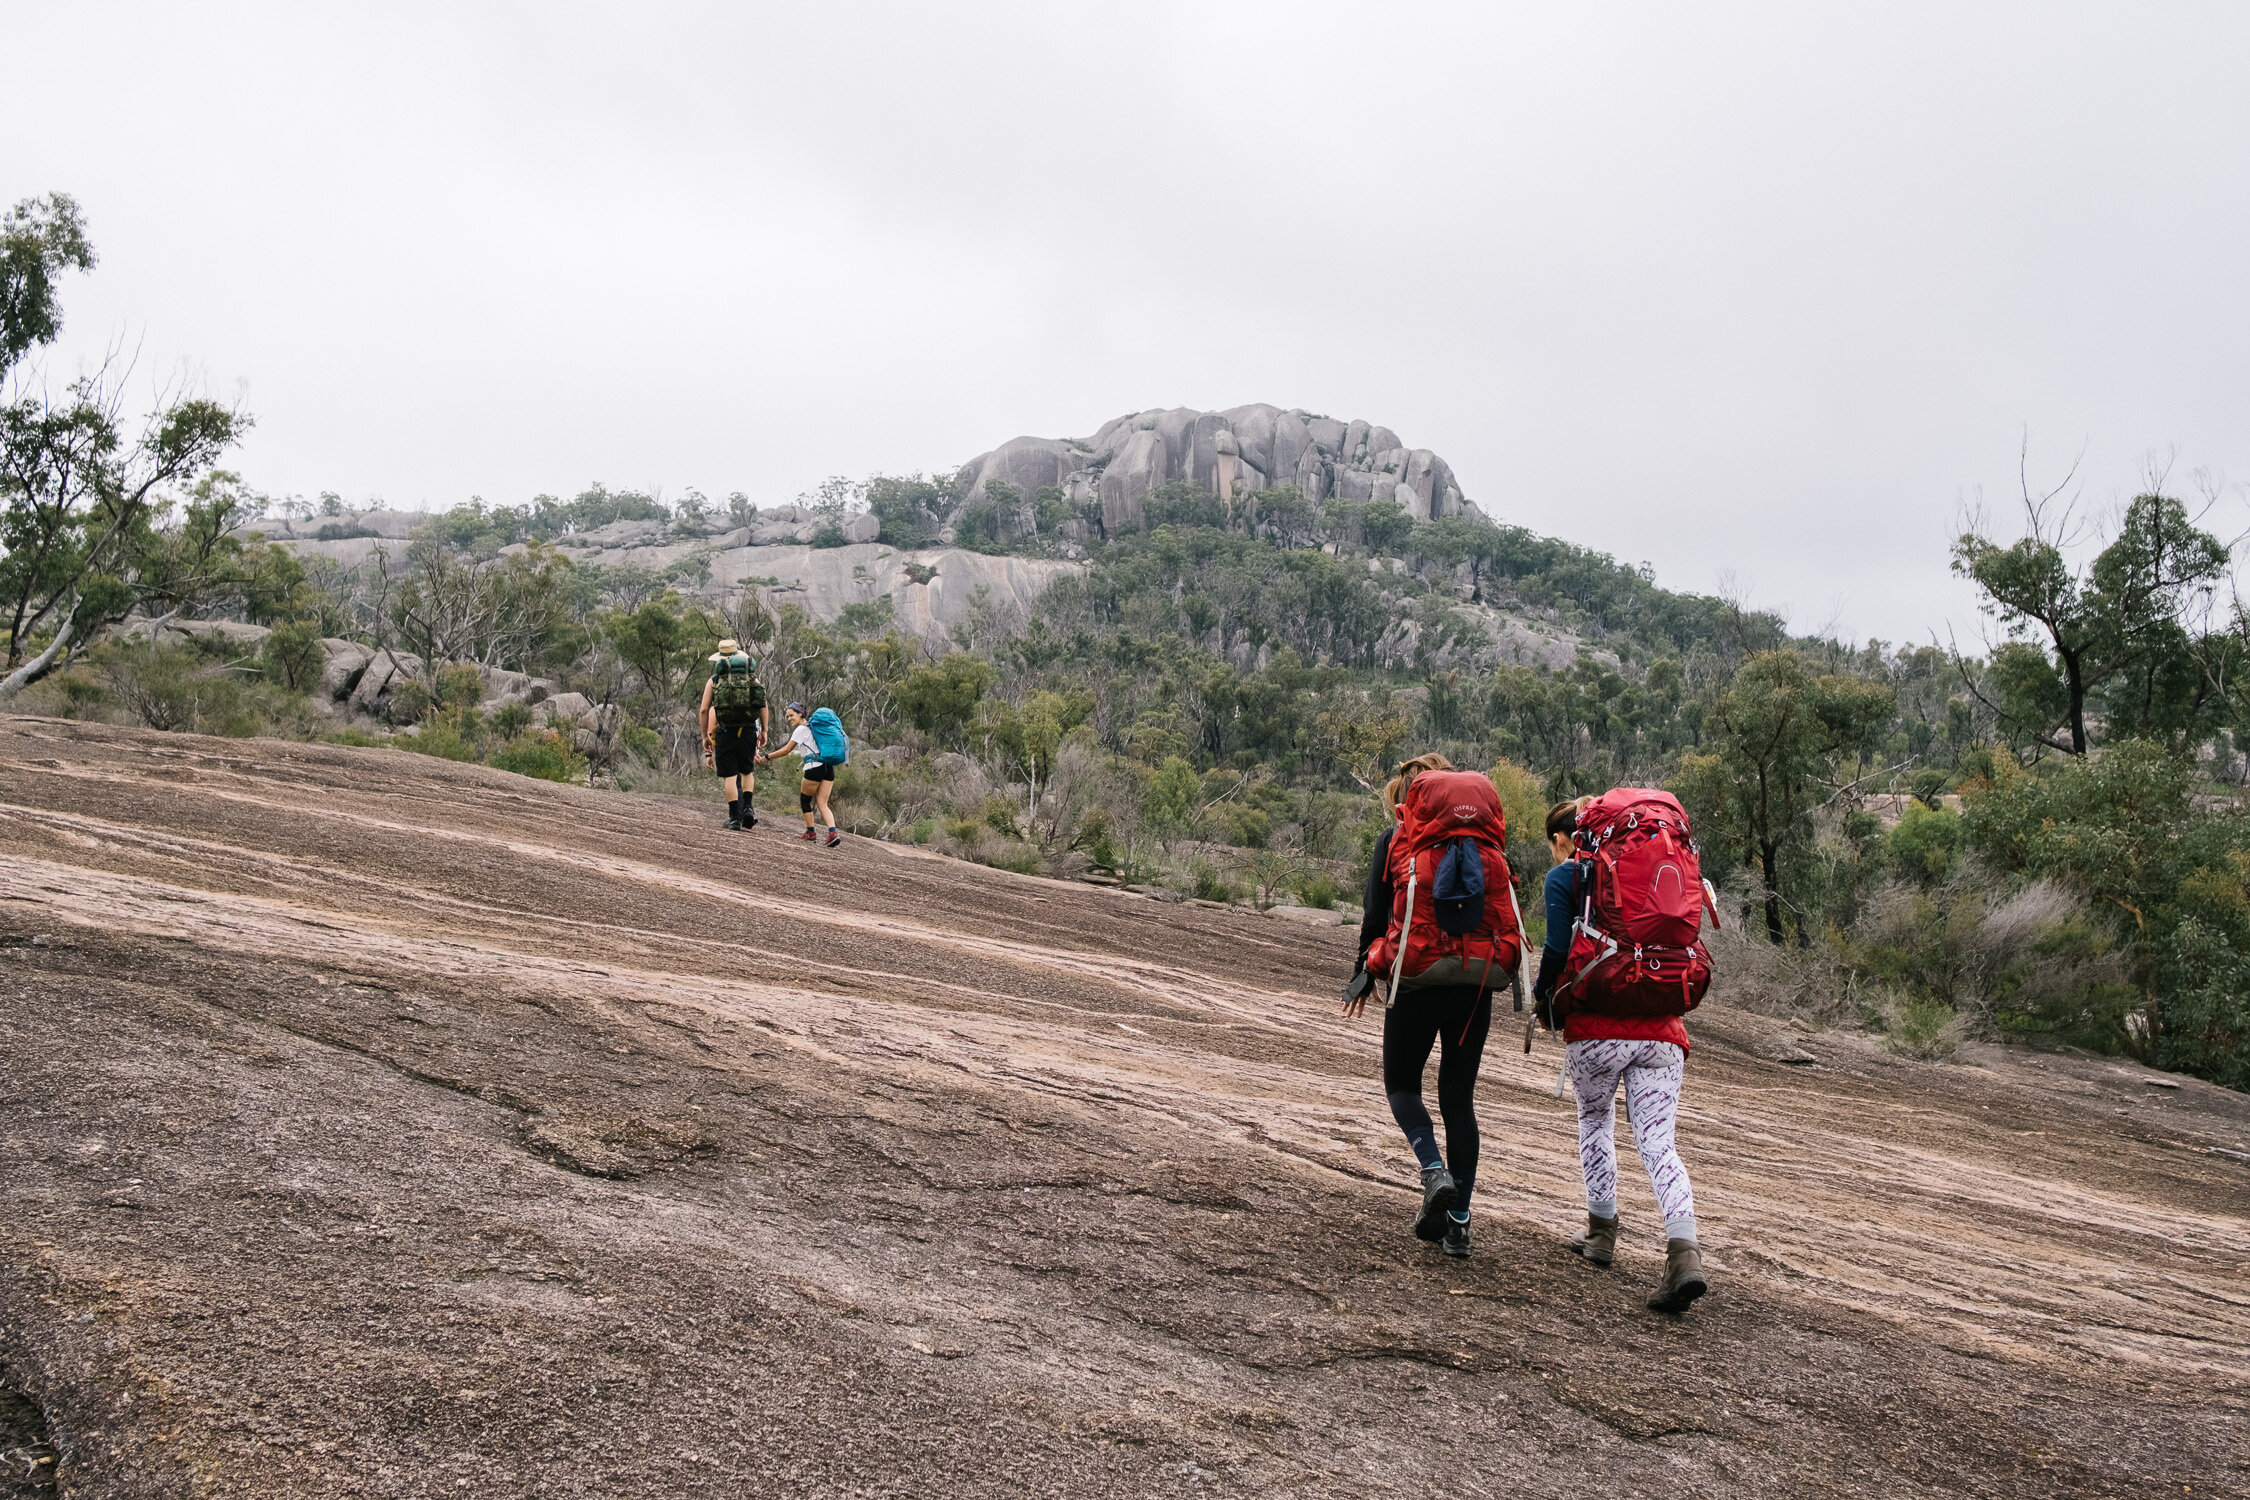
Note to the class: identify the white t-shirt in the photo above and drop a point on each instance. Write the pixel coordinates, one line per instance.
(801, 741)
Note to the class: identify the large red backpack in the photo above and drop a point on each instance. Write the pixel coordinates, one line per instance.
(1637, 949)
(1452, 919)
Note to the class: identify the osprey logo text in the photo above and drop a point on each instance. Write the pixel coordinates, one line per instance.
(1464, 813)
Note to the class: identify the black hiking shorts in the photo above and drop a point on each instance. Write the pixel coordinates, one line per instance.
(820, 773)
(734, 752)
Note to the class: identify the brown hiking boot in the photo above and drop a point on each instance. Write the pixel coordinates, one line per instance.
(1599, 1243)
(1683, 1278)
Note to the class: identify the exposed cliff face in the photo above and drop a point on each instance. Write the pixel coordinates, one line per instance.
(1230, 454)
(930, 591)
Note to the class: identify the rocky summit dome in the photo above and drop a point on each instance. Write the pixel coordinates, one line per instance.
(1229, 454)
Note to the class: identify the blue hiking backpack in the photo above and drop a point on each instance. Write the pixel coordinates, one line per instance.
(828, 736)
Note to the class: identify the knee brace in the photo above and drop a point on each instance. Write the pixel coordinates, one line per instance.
(804, 802)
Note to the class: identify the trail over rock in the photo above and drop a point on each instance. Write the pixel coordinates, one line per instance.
(376, 1125)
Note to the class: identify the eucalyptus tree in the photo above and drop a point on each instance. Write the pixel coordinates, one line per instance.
(78, 488)
(2125, 631)
(1774, 739)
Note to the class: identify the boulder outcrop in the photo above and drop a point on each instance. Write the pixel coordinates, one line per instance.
(1231, 454)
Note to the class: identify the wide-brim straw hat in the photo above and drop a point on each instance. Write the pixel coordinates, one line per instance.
(726, 649)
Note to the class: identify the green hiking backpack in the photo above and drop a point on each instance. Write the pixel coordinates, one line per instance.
(736, 697)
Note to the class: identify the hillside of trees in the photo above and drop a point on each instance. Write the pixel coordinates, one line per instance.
(2045, 842)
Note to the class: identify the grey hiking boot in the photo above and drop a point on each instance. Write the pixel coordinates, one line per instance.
(1599, 1243)
(1456, 1241)
(1683, 1278)
(1438, 1195)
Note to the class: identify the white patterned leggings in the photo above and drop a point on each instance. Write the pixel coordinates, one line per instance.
(1652, 1073)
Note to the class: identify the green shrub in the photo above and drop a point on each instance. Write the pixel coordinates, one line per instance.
(922, 831)
(999, 814)
(1098, 838)
(1925, 843)
(354, 736)
(165, 687)
(1243, 827)
(941, 697)
(1928, 784)
(514, 717)
(77, 693)
(1209, 885)
(440, 737)
(1319, 889)
(877, 784)
(1021, 858)
(641, 742)
(410, 700)
(2171, 879)
(459, 686)
(1923, 1028)
(2206, 1017)
(258, 708)
(2032, 962)
(292, 657)
(547, 756)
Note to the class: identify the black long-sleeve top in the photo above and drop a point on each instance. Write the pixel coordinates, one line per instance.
(1375, 907)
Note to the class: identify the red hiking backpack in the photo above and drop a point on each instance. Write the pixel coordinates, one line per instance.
(1637, 949)
(1450, 908)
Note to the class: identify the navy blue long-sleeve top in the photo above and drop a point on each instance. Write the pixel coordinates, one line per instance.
(1562, 912)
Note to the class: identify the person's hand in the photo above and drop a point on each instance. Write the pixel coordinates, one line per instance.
(1543, 1010)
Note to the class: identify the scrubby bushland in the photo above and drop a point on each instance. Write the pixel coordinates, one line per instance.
(2047, 842)
(2128, 830)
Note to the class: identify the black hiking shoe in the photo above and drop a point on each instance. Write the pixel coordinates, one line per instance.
(1438, 1193)
(734, 820)
(749, 820)
(1456, 1241)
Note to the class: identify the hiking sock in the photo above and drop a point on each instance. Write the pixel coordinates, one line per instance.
(1604, 1210)
(1414, 1118)
(734, 811)
(1682, 1228)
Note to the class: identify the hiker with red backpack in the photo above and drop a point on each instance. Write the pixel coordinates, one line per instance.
(1438, 931)
(1623, 963)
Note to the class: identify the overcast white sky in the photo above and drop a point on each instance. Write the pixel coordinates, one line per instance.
(1761, 288)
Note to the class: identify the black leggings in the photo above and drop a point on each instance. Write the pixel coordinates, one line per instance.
(1455, 1019)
